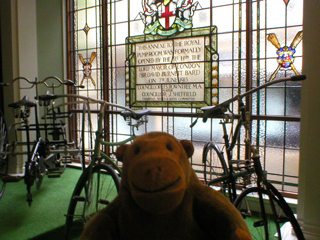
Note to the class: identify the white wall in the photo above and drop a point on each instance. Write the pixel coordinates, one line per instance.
(32, 47)
(309, 180)
(20, 16)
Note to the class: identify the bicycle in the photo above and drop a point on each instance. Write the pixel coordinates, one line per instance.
(99, 183)
(260, 202)
(39, 160)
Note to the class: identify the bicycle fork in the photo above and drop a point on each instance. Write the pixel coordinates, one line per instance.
(262, 183)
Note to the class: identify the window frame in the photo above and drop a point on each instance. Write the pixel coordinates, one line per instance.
(111, 115)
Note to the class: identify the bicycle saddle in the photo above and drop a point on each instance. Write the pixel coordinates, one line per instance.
(23, 102)
(213, 111)
(135, 115)
(46, 97)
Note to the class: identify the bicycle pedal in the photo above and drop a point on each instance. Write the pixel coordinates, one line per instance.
(105, 202)
(258, 223)
(55, 169)
(54, 175)
(9, 179)
(79, 198)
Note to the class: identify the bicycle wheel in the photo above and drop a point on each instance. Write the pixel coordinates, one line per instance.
(214, 166)
(265, 214)
(3, 143)
(3, 157)
(94, 191)
(86, 137)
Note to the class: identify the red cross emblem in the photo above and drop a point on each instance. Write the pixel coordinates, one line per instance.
(167, 14)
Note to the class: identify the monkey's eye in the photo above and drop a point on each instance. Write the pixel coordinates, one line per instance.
(136, 150)
(169, 147)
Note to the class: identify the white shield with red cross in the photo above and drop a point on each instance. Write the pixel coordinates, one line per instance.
(167, 14)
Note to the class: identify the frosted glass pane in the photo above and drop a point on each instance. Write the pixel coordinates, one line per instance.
(259, 103)
(258, 132)
(259, 41)
(295, 13)
(82, 40)
(135, 8)
(91, 3)
(275, 101)
(197, 155)
(81, 19)
(225, 74)
(182, 128)
(222, 17)
(200, 131)
(225, 47)
(154, 123)
(121, 97)
(136, 28)
(275, 133)
(291, 162)
(120, 77)
(201, 18)
(91, 17)
(219, 2)
(94, 121)
(81, 4)
(224, 94)
(121, 8)
(93, 38)
(275, 13)
(120, 56)
(274, 160)
(293, 184)
(293, 99)
(121, 33)
(122, 126)
(293, 135)
(262, 11)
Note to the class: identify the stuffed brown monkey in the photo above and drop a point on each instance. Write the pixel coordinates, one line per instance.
(161, 198)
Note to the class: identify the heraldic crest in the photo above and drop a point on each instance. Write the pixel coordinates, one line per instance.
(166, 17)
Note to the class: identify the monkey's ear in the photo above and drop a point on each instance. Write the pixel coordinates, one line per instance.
(120, 152)
(188, 147)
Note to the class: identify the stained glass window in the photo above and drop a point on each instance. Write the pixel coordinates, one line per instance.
(257, 41)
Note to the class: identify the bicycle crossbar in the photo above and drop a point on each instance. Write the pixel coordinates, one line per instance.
(236, 175)
(221, 108)
(92, 100)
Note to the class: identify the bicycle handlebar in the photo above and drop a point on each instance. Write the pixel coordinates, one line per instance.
(220, 109)
(128, 112)
(66, 82)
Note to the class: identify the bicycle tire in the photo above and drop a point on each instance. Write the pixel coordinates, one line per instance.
(3, 157)
(101, 180)
(3, 143)
(214, 166)
(86, 136)
(265, 226)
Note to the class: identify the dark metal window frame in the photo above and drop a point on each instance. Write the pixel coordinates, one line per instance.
(106, 71)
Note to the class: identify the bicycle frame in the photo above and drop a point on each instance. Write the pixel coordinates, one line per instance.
(33, 168)
(219, 111)
(97, 153)
(252, 165)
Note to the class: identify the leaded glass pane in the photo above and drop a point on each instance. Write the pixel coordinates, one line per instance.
(276, 26)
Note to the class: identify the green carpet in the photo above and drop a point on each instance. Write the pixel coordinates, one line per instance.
(45, 218)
